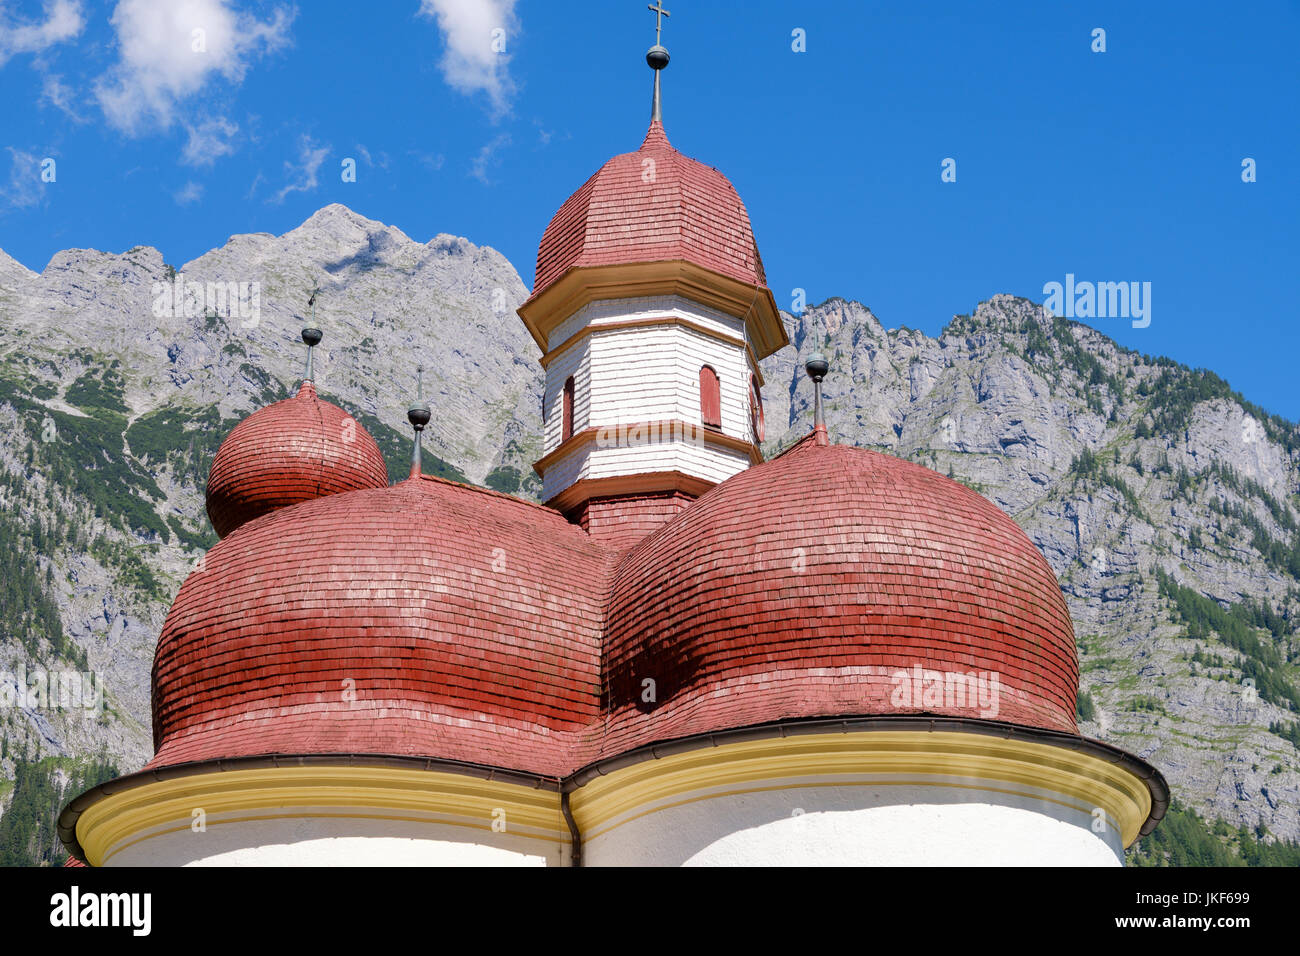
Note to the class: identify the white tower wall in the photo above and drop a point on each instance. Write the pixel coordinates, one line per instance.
(636, 361)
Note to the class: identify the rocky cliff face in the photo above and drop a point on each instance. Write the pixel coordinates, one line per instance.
(1165, 503)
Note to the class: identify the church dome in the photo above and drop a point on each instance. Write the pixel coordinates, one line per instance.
(426, 619)
(651, 205)
(817, 585)
(361, 673)
(292, 451)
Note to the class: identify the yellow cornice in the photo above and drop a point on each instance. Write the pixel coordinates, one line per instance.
(579, 286)
(122, 819)
(1081, 780)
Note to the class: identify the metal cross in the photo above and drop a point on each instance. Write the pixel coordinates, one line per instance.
(659, 12)
(311, 300)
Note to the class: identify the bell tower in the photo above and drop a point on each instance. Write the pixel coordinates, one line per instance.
(652, 312)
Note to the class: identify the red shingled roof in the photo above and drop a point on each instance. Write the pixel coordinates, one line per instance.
(650, 206)
(293, 451)
(428, 619)
(802, 587)
(437, 620)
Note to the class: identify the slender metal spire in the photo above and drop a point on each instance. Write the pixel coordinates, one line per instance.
(418, 415)
(817, 367)
(311, 335)
(657, 56)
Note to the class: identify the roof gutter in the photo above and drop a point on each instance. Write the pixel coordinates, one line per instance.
(575, 836)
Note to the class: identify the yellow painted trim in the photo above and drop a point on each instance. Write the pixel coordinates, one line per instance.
(626, 793)
(120, 819)
(861, 780)
(976, 762)
(514, 830)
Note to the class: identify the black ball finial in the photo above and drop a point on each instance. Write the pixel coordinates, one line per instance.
(816, 366)
(418, 416)
(312, 337)
(657, 57)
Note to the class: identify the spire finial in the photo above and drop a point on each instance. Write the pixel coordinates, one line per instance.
(657, 56)
(312, 337)
(418, 415)
(817, 367)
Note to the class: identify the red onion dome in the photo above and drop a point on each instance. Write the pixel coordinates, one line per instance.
(652, 205)
(296, 450)
(426, 619)
(837, 581)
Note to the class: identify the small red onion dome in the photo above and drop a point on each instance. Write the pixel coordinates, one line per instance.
(427, 619)
(836, 581)
(652, 205)
(295, 450)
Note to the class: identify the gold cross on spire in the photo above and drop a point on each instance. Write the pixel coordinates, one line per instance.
(659, 12)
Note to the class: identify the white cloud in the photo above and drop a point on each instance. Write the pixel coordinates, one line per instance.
(381, 159)
(24, 187)
(305, 174)
(170, 51)
(63, 21)
(477, 34)
(190, 193)
(487, 158)
(433, 161)
(60, 95)
(208, 141)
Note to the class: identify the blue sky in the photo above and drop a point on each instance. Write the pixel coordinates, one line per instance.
(1123, 165)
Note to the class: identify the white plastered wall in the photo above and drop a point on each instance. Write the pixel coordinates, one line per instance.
(864, 823)
(625, 376)
(631, 454)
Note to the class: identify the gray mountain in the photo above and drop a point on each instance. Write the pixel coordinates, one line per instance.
(1165, 502)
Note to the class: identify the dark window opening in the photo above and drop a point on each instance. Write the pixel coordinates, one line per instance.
(710, 398)
(568, 409)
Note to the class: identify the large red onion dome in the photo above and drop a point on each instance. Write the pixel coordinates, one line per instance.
(836, 581)
(652, 205)
(427, 619)
(295, 450)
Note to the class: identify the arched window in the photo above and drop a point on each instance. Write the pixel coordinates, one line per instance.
(755, 408)
(568, 409)
(710, 398)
